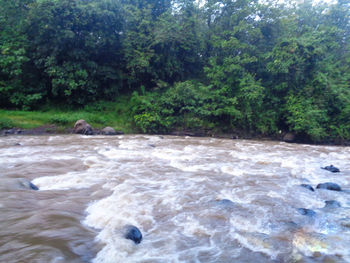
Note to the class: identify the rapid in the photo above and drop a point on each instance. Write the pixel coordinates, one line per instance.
(194, 200)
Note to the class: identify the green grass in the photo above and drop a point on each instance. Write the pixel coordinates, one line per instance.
(98, 115)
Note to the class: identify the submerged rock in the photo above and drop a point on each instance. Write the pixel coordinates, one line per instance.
(332, 204)
(329, 186)
(331, 168)
(307, 186)
(225, 202)
(133, 233)
(82, 127)
(306, 212)
(17, 184)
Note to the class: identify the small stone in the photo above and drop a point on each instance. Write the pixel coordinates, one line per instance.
(307, 186)
(33, 186)
(108, 131)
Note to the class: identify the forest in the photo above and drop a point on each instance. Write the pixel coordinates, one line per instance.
(260, 67)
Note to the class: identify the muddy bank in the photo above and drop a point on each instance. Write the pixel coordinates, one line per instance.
(283, 136)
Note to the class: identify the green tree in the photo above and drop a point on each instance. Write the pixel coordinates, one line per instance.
(75, 45)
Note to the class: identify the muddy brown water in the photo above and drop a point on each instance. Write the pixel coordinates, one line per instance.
(194, 199)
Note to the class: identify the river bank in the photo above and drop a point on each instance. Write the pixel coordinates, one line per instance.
(52, 129)
(117, 116)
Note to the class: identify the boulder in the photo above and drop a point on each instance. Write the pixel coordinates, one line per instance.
(306, 212)
(82, 127)
(307, 186)
(331, 168)
(108, 131)
(329, 186)
(289, 137)
(133, 233)
(332, 204)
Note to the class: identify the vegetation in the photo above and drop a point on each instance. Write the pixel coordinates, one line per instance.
(159, 66)
(101, 114)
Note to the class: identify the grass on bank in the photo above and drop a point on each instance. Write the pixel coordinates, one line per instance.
(98, 115)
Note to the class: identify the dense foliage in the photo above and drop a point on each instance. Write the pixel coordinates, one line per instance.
(261, 68)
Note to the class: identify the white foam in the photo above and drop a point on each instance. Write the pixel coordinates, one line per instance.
(233, 170)
(74, 180)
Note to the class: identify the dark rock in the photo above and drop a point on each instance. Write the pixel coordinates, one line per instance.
(306, 212)
(329, 186)
(17, 144)
(108, 131)
(82, 127)
(307, 186)
(331, 168)
(289, 137)
(188, 133)
(12, 131)
(151, 145)
(345, 222)
(132, 233)
(33, 186)
(332, 204)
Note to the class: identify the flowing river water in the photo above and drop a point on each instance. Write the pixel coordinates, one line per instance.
(194, 200)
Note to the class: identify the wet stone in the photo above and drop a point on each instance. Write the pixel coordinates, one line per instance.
(329, 186)
(332, 204)
(133, 233)
(331, 168)
(306, 212)
(33, 186)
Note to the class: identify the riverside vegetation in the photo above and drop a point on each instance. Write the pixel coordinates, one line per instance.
(160, 66)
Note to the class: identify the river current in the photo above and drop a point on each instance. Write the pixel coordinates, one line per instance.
(194, 200)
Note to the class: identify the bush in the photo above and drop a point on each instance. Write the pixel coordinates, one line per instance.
(189, 104)
(147, 122)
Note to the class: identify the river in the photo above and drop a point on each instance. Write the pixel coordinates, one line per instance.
(194, 200)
